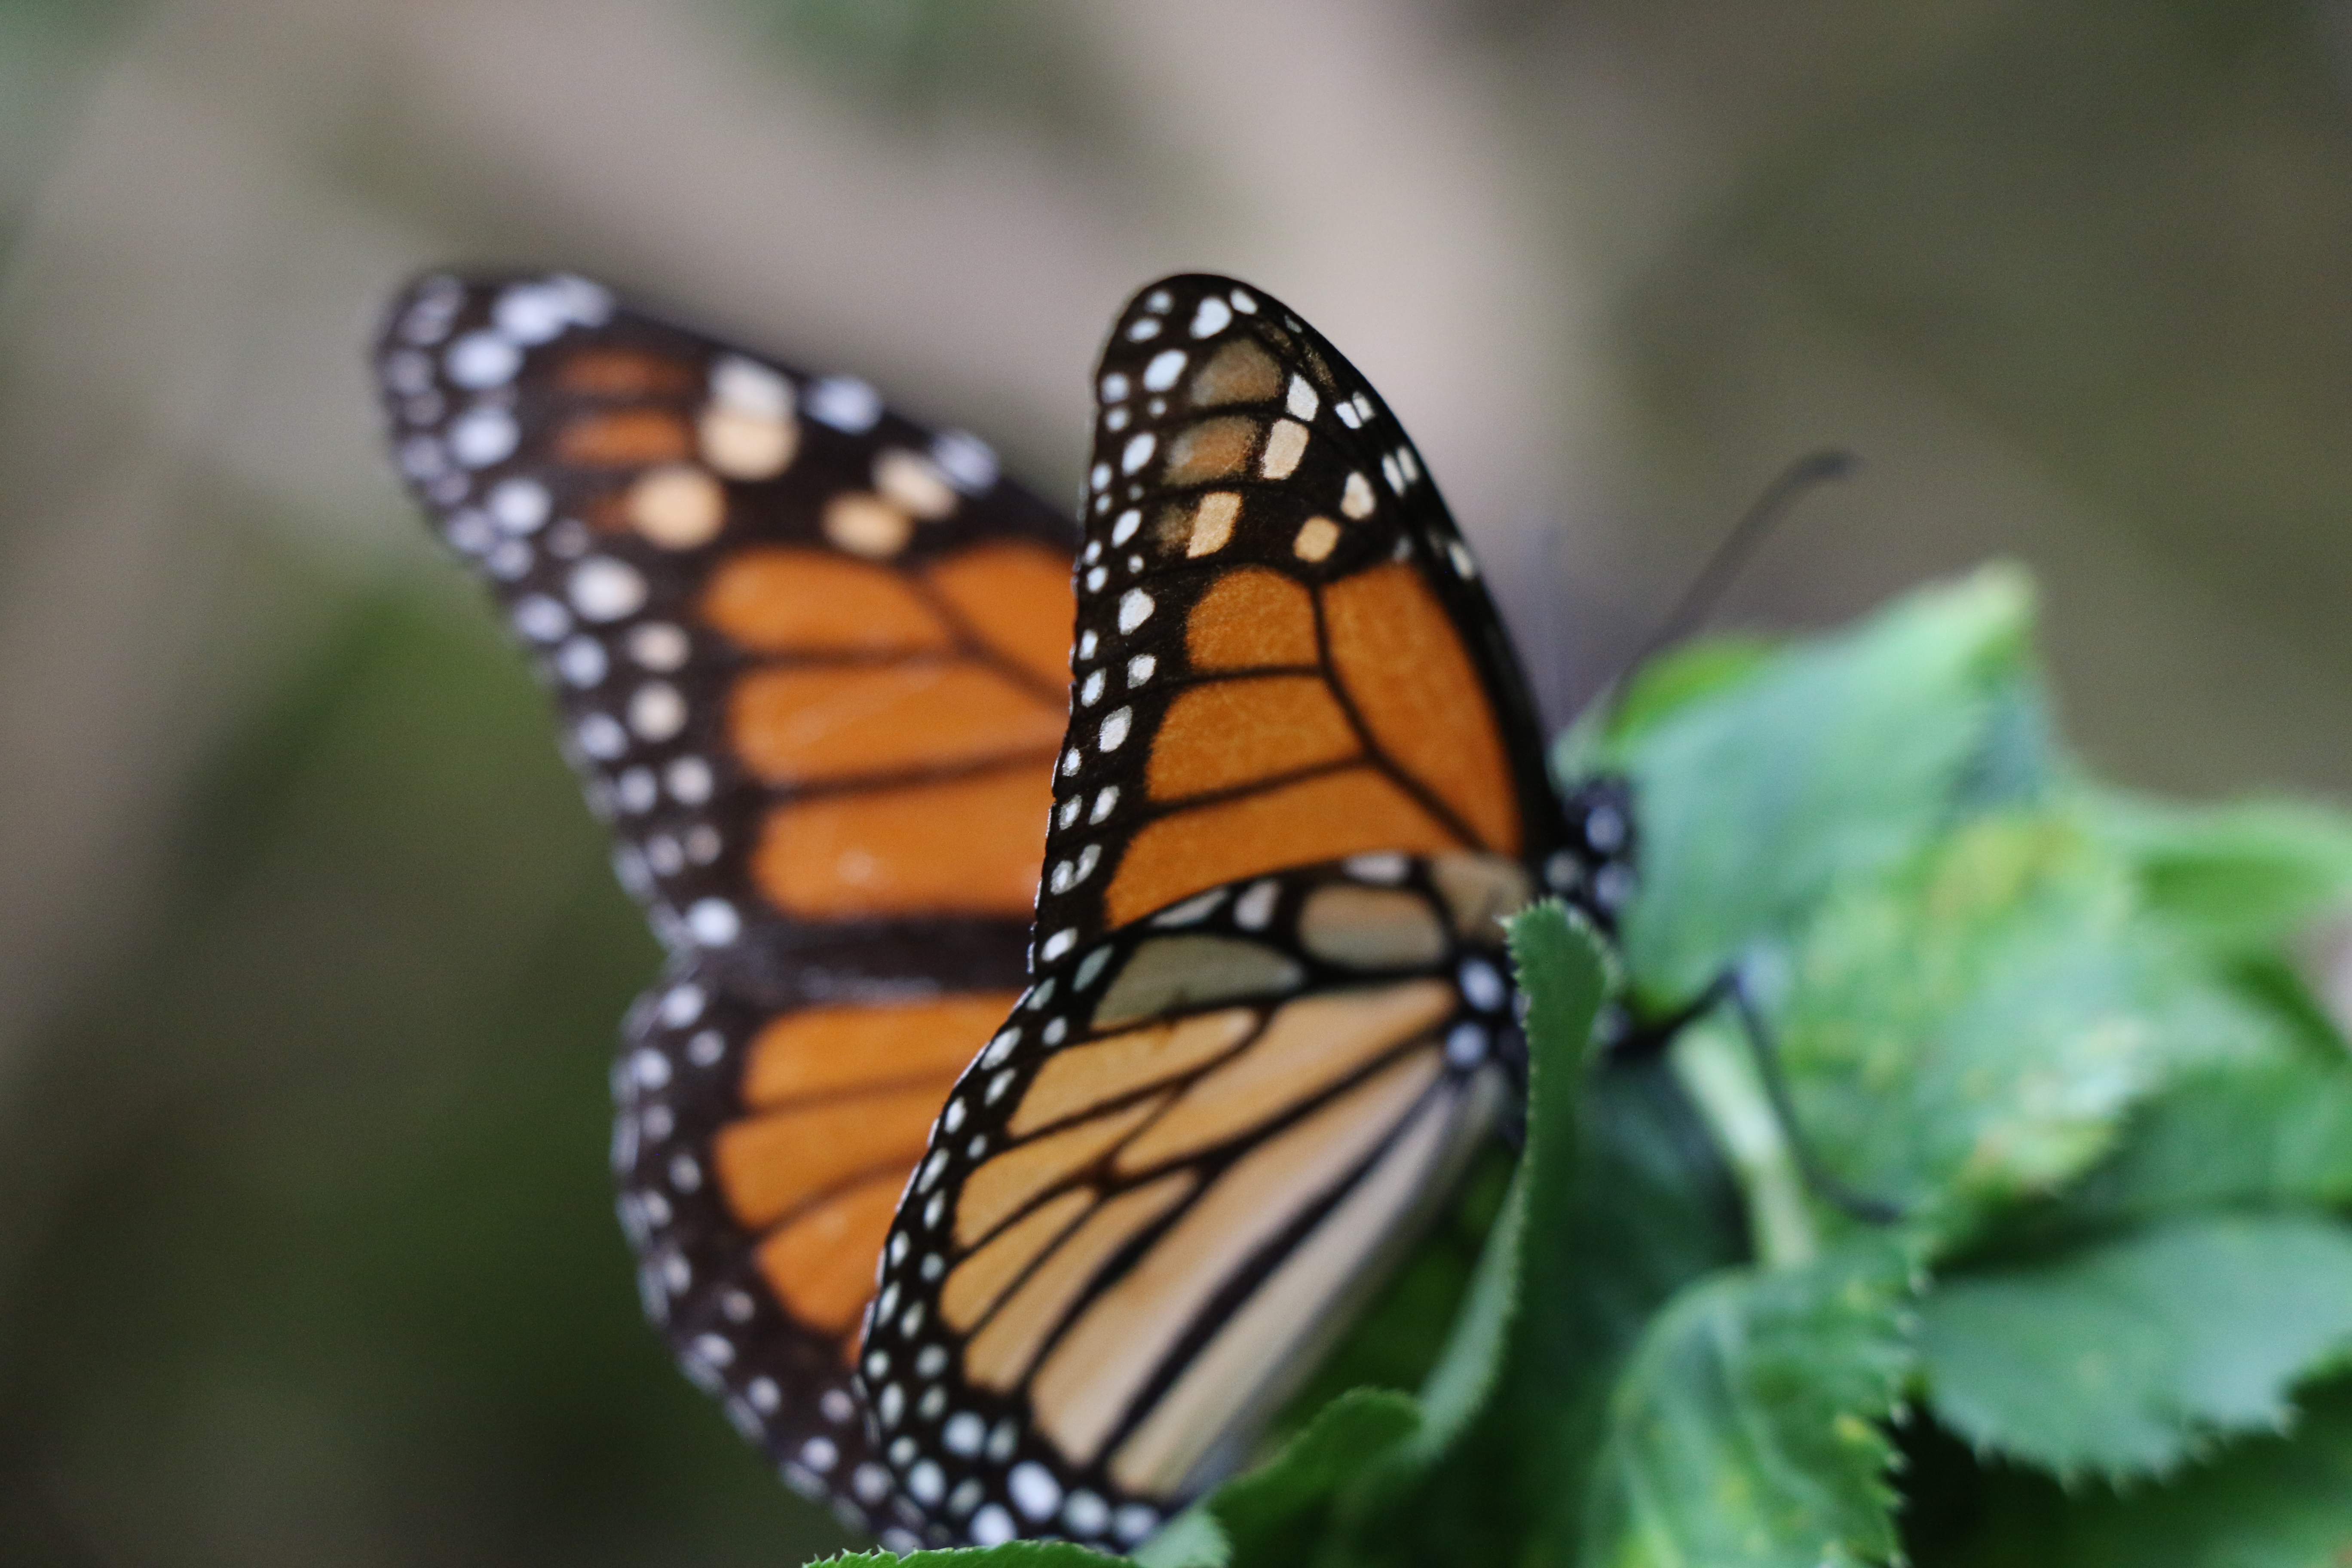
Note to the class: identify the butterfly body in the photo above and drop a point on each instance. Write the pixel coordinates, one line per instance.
(1127, 1159)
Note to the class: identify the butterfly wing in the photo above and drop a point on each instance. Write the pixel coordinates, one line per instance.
(1152, 1200)
(1284, 653)
(1269, 1017)
(811, 662)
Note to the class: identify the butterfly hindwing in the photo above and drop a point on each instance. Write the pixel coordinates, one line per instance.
(1151, 1202)
(811, 662)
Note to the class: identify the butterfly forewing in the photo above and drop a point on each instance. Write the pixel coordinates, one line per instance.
(811, 661)
(1283, 652)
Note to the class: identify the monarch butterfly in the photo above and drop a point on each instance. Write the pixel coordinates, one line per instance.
(1122, 1167)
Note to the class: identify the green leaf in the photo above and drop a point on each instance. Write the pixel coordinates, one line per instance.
(1619, 1215)
(1747, 1427)
(1193, 1539)
(1345, 1437)
(1564, 971)
(2274, 1503)
(2269, 1133)
(1276, 1513)
(1971, 1030)
(2242, 877)
(2127, 1358)
(1012, 1554)
(1563, 968)
(1834, 760)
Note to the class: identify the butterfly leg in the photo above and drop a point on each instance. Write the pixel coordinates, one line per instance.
(1731, 989)
(1731, 986)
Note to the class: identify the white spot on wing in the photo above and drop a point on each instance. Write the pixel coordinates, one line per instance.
(1035, 1490)
(1162, 372)
(963, 1433)
(581, 662)
(991, 1526)
(1285, 445)
(531, 313)
(519, 505)
(657, 711)
(603, 589)
(479, 361)
(540, 618)
(714, 922)
(845, 402)
(748, 387)
(480, 437)
(658, 646)
(968, 461)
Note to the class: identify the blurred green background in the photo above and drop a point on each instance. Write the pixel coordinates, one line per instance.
(309, 961)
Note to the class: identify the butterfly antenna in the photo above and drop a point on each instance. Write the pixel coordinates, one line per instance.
(1780, 498)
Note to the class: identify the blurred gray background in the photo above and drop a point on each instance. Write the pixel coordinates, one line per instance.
(308, 960)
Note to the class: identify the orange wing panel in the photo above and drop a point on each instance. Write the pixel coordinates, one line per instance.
(812, 726)
(1001, 1353)
(622, 373)
(825, 1050)
(1404, 667)
(967, 845)
(1002, 1187)
(983, 1277)
(1230, 732)
(1324, 818)
(1250, 619)
(778, 600)
(632, 438)
(822, 1265)
(1018, 599)
(771, 1164)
